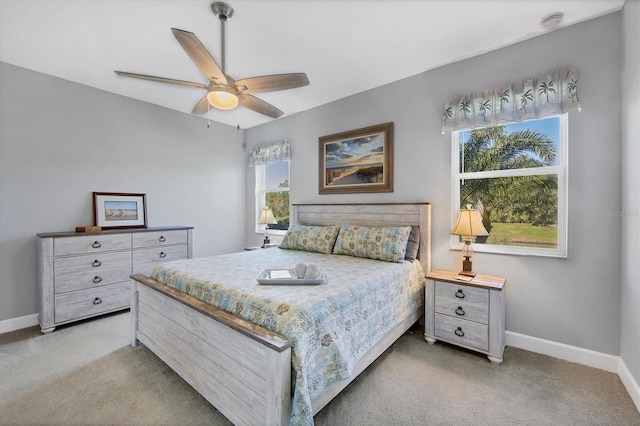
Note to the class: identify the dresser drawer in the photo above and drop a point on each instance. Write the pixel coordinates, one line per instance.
(85, 303)
(145, 260)
(91, 244)
(81, 272)
(462, 332)
(159, 238)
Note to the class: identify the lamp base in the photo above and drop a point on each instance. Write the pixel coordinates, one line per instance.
(467, 269)
(265, 242)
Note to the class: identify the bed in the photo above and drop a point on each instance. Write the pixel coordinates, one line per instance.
(240, 359)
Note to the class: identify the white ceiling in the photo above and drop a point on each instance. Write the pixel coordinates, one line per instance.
(345, 47)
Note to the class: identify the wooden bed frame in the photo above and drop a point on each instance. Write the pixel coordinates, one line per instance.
(242, 369)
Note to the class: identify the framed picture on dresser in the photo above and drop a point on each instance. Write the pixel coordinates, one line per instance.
(113, 210)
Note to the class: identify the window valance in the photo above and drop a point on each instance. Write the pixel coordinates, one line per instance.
(552, 93)
(270, 153)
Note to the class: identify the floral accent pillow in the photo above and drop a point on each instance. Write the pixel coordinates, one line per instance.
(318, 239)
(387, 243)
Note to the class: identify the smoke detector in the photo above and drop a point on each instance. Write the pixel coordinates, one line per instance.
(552, 20)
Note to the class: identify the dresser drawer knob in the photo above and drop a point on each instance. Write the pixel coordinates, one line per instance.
(96, 263)
(460, 294)
(96, 244)
(96, 279)
(459, 332)
(97, 301)
(162, 239)
(163, 255)
(460, 312)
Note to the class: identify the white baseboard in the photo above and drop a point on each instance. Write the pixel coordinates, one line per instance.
(611, 363)
(13, 324)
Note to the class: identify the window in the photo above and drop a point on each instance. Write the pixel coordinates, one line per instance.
(272, 190)
(515, 176)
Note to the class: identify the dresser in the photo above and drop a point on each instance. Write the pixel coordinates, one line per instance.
(84, 275)
(470, 314)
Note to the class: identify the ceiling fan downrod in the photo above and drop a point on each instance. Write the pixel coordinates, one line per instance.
(223, 12)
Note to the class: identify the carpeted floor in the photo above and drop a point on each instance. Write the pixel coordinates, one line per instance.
(87, 373)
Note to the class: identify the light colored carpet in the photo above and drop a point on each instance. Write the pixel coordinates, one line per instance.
(87, 373)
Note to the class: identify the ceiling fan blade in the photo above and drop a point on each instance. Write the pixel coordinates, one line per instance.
(201, 107)
(161, 79)
(272, 83)
(258, 105)
(199, 55)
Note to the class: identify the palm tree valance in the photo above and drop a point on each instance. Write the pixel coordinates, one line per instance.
(548, 94)
(270, 153)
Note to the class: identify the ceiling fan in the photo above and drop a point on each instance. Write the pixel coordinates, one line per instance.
(223, 92)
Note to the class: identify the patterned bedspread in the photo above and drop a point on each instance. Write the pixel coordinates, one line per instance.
(332, 325)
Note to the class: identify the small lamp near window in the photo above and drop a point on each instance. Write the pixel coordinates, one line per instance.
(468, 226)
(266, 218)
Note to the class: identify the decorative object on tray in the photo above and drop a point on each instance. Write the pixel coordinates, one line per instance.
(300, 274)
(266, 219)
(468, 225)
(357, 161)
(113, 210)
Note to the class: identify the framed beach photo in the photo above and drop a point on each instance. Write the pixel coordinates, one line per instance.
(112, 210)
(357, 161)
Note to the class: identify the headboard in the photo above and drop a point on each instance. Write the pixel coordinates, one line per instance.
(385, 214)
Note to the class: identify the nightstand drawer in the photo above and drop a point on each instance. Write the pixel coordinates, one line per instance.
(159, 238)
(462, 293)
(91, 244)
(464, 333)
(84, 303)
(462, 310)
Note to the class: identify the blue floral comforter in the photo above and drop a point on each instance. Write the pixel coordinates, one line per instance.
(331, 326)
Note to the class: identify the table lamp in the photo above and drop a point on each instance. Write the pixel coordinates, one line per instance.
(266, 218)
(468, 225)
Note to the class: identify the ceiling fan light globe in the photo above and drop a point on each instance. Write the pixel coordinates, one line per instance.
(222, 98)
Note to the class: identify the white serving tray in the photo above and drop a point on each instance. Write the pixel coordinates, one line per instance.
(265, 278)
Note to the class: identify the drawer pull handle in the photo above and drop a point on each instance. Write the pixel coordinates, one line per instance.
(460, 312)
(96, 244)
(162, 239)
(97, 279)
(460, 294)
(163, 255)
(97, 301)
(459, 332)
(96, 263)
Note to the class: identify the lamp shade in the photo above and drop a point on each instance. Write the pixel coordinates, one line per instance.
(266, 217)
(469, 223)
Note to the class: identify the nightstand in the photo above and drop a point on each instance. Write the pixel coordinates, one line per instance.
(470, 314)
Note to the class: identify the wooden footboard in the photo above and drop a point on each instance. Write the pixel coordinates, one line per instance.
(242, 369)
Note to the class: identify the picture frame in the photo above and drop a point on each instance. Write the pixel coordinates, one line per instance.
(113, 210)
(356, 161)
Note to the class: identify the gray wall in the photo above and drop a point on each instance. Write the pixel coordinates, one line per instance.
(60, 141)
(575, 300)
(630, 312)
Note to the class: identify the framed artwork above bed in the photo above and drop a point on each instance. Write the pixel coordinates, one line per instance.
(358, 160)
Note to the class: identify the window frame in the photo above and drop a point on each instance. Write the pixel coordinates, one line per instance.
(260, 195)
(561, 170)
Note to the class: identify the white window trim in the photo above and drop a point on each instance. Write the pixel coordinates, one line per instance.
(259, 182)
(560, 170)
